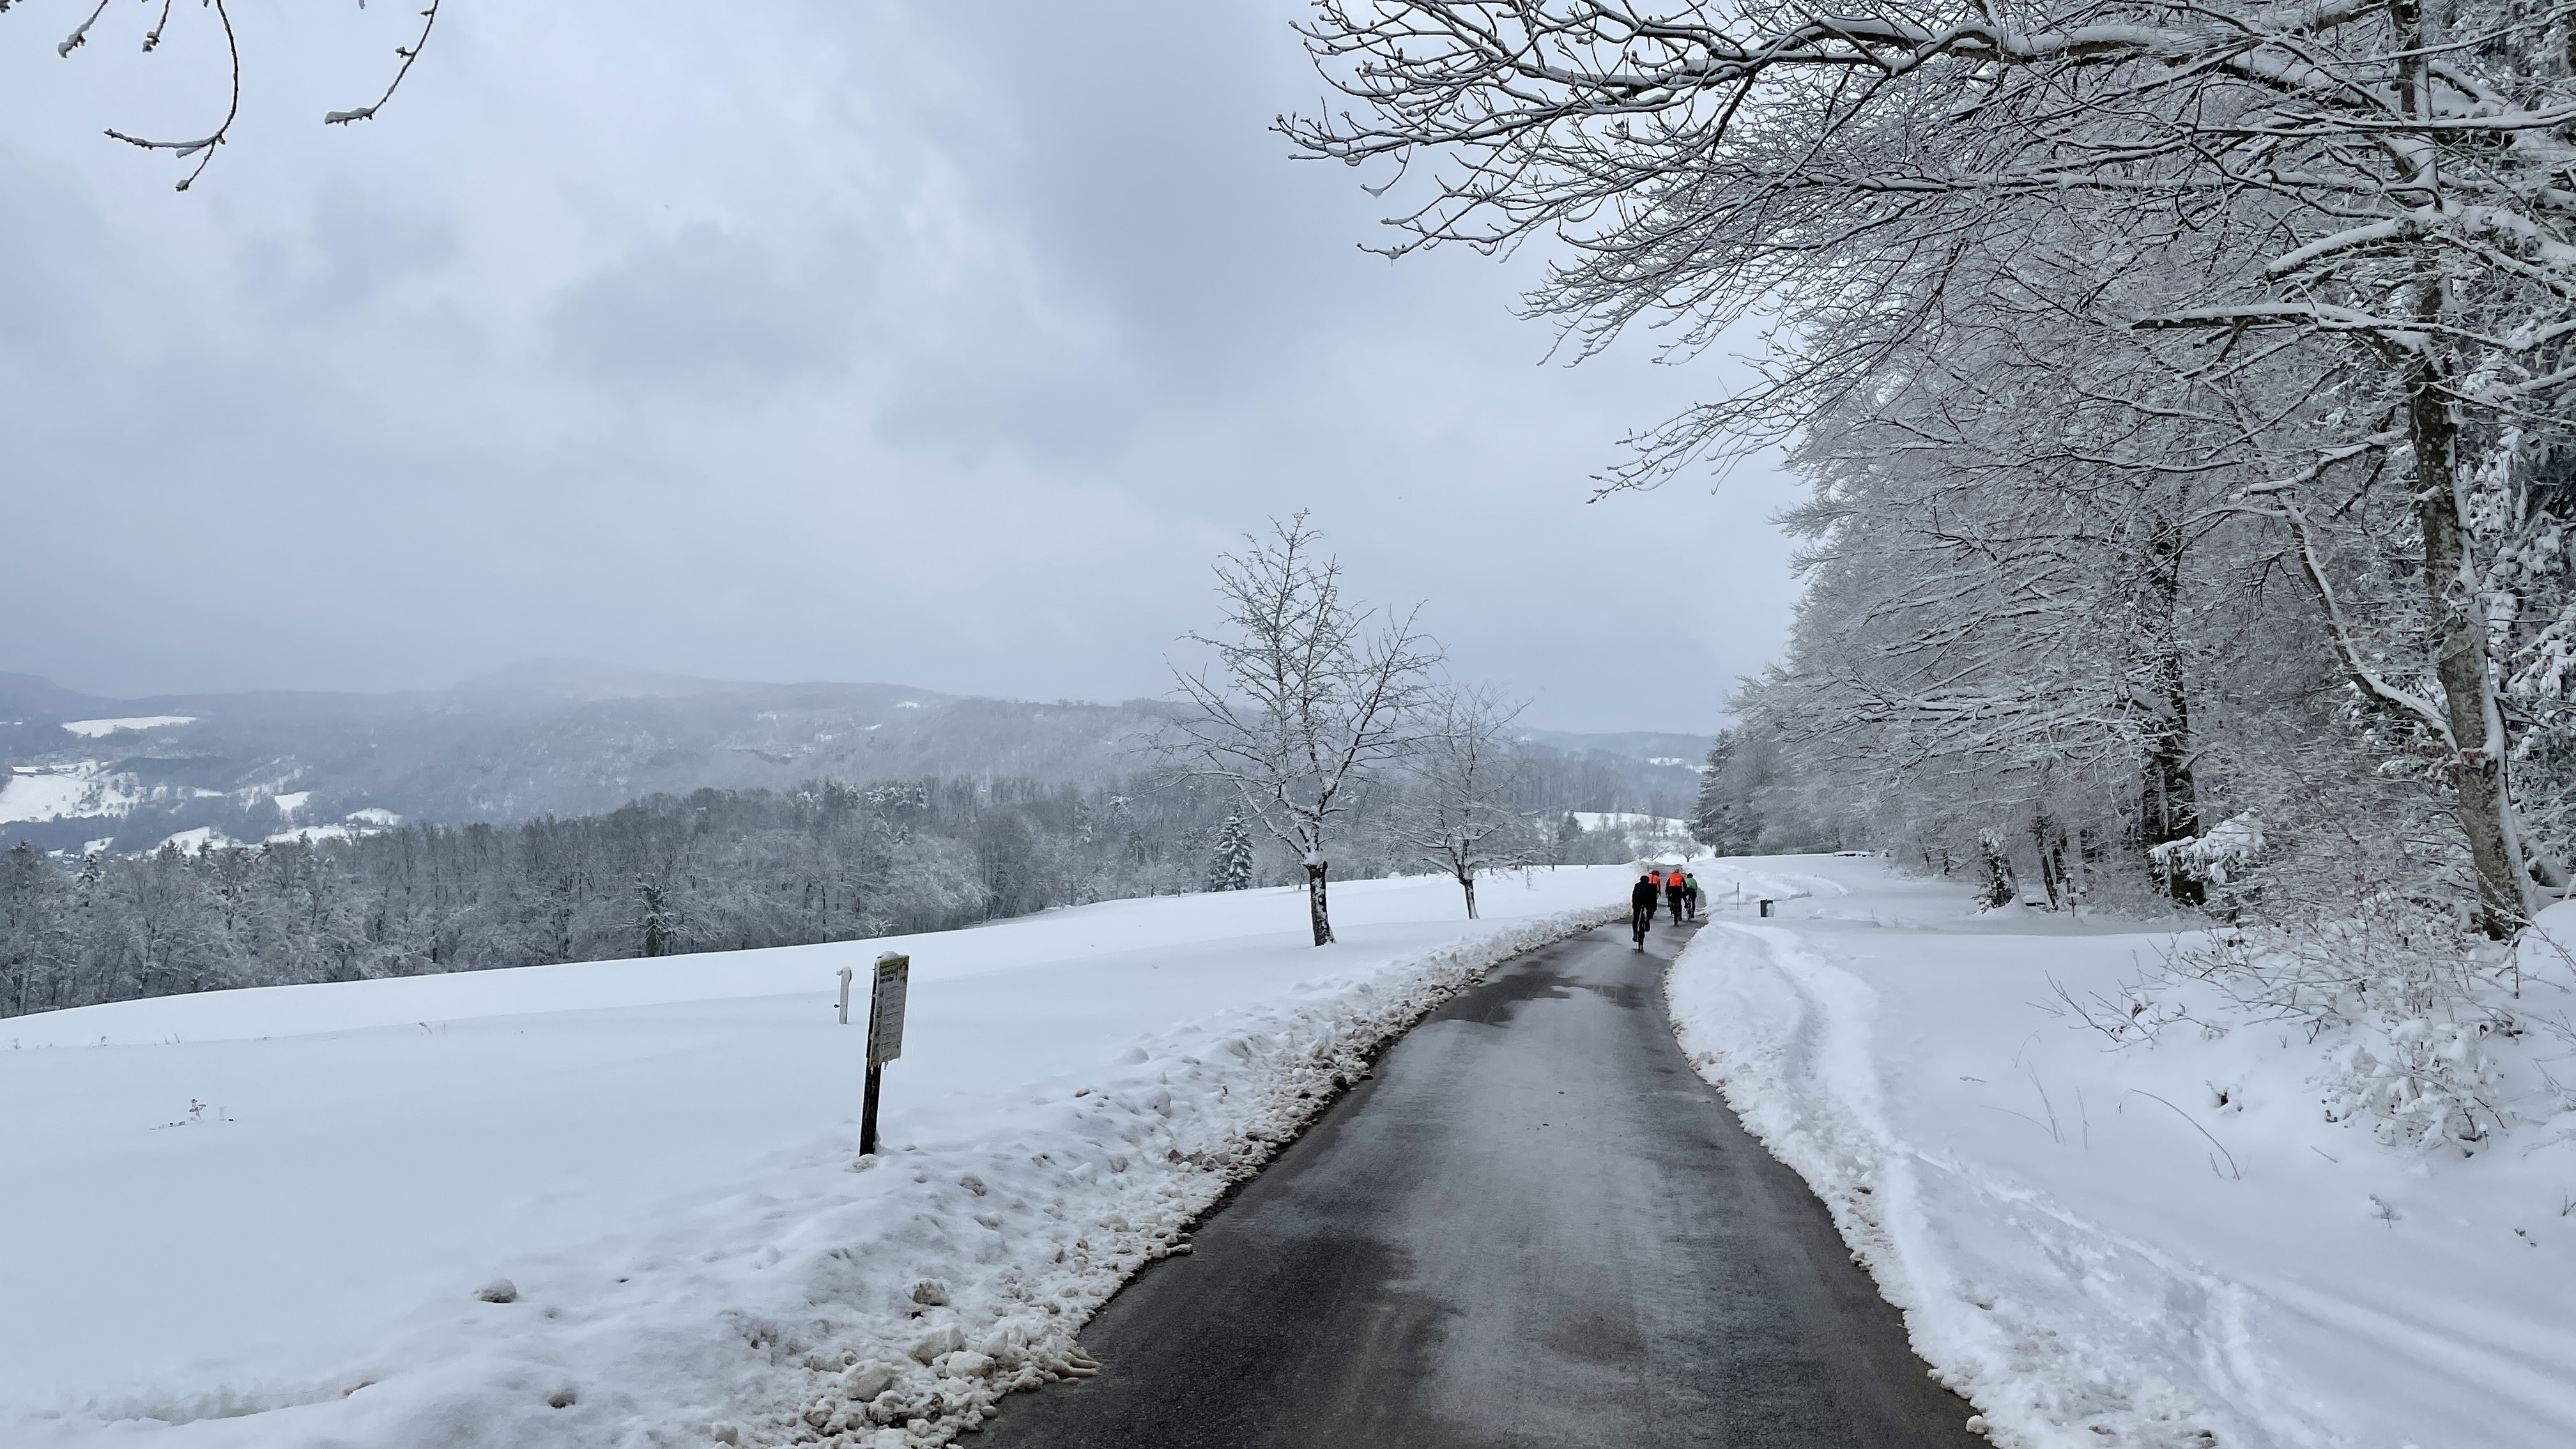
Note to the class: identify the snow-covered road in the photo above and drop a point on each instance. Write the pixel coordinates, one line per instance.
(260, 1217)
(1534, 1227)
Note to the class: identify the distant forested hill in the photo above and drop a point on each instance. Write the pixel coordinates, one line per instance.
(120, 776)
(541, 740)
(194, 843)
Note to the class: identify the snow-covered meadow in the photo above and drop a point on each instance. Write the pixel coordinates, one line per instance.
(2165, 1245)
(267, 1217)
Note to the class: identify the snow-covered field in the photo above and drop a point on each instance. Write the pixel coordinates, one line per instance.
(51, 792)
(264, 1217)
(2162, 1246)
(99, 729)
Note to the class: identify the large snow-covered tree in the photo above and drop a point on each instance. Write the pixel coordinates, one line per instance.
(1723, 817)
(2371, 191)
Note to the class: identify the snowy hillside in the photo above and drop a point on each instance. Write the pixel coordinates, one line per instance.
(2167, 1247)
(266, 1217)
(564, 739)
(567, 739)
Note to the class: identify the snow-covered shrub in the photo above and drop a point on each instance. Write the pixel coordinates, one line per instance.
(2217, 857)
(1996, 887)
(2412, 1008)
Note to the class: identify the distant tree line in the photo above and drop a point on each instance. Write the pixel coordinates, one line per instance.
(716, 870)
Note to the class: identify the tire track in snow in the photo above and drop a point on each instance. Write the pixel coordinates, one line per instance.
(2054, 1326)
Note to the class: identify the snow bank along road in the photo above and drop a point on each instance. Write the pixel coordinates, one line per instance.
(262, 1218)
(1535, 1226)
(2153, 1248)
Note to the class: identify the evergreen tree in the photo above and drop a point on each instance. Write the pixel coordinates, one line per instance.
(1230, 869)
(661, 925)
(1724, 819)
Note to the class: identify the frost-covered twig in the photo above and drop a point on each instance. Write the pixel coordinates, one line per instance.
(80, 33)
(2195, 1126)
(203, 148)
(409, 53)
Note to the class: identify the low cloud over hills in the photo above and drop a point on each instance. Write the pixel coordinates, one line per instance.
(560, 738)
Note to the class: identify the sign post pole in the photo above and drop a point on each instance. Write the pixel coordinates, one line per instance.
(885, 1036)
(868, 1111)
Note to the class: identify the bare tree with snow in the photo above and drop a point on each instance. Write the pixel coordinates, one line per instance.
(1308, 700)
(1456, 809)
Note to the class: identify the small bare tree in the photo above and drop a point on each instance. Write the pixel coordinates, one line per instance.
(1457, 811)
(1308, 699)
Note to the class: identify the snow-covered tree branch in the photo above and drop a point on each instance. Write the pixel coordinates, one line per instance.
(202, 148)
(2342, 235)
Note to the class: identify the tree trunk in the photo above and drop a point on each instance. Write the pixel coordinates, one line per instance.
(1467, 883)
(2050, 844)
(1317, 911)
(2169, 800)
(2169, 803)
(1999, 888)
(2460, 662)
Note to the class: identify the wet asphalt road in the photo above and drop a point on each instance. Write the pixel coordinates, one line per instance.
(1535, 1226)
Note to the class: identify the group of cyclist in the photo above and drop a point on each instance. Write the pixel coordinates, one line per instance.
(1679, 889)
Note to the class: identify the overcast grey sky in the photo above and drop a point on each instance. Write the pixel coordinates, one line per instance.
(939, 343)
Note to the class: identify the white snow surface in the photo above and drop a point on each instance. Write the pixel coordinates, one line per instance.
(99, 729)
(1624, 819)
(308, 834)
(280, 1217)
(2085, 1242)
(55, 792)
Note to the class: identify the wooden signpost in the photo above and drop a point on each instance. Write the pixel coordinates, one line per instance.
(885, 1035)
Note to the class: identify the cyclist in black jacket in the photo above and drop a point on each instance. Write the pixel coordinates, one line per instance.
(1641, 908)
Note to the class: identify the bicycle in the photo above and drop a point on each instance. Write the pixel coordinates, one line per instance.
(1639, 918)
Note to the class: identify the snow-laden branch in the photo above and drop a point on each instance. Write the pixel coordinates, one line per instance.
(203, 147)
(2373, 685)
(408, 54)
